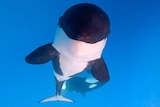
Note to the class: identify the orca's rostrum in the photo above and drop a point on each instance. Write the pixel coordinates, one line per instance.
(80, 38)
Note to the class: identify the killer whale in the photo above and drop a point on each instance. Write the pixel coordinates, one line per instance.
(80, 38)
(82, 84)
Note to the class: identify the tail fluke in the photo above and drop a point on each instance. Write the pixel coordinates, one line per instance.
(57, 98)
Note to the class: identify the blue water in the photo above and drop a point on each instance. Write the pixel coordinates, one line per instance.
(132, 54)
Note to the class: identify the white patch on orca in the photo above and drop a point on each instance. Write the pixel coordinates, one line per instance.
(92, 85)
(74, 54)
(78, 50)
(91, 80)
(64, 86)
(61, 77)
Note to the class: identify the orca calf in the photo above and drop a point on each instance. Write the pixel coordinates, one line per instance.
(82, 84)
(80, 38)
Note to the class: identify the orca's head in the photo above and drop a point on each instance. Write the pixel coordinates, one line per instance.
(85, 22)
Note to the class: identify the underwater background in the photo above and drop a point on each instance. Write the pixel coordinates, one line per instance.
(132, 54)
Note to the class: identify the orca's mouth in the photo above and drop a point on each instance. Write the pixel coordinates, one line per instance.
(89, 39)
